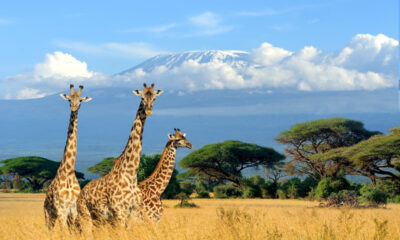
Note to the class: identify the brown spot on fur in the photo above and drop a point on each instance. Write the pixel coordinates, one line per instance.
(68, 154)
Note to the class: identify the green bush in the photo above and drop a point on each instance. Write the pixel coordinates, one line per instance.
(226, 191)
(203, 194)
(370, 194)
(281, 194)
(391, 188)
(269, 190)
(253, 186)
(290, 188)
(395, 199)
(327, 186)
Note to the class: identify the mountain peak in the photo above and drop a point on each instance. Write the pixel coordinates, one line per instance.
(170, 60)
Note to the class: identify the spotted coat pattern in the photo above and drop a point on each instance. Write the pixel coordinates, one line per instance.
(153, 186)
(115, 197)
(62, 193)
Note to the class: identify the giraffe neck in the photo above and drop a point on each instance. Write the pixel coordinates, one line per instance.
(130, 157)
(163, 172)
(68, 161)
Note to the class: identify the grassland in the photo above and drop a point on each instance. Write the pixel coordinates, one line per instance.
(21, 217)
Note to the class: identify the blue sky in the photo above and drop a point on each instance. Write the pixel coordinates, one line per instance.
(31, 29)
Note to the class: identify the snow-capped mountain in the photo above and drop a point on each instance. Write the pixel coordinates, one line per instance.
(235, 58)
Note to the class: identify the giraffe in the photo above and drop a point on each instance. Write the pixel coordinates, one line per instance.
(116, 197)
(153, 186)
(62, 193)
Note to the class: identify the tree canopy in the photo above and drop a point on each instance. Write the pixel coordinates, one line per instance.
(36, 170)
(377, 157)
(225, 161)
(312, 137)
(146, 166)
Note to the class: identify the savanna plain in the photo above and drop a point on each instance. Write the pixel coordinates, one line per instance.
(21, 217)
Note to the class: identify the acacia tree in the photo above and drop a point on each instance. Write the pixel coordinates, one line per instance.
(225, 161)
(376, 158)
(312, 137)
(36, 170)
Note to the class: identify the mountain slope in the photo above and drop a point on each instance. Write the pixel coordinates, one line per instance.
(237, 59)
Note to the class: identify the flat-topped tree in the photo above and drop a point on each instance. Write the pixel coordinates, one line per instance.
(376, 158)
(36, 170)
(225, 161)
(312, 137)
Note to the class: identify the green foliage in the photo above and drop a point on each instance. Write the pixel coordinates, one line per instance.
(184, 203)
(309, 138)
(292, 188)
(253, 186)
(201, 189)
(82, 183)
(296, 188)
(373, 195)
(269, 189)
(187, 187)
(36, 170)
(225, 161)
(227, 191)
(391, 188)
(327, 186)
(376, 158)
(147, 165)
(103, 167)
(173, 187)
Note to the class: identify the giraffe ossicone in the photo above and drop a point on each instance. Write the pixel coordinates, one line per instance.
(62, 193)
(154, 185)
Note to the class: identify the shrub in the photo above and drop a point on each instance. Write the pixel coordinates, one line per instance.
(281, 194)
(226, 191)
(327, 186)
(395, 199)
(269, 190)
(184, 203)
(391, 188)
(290, 188)
(343, 198)
(373, 195)
(187, 187)
(203, 194)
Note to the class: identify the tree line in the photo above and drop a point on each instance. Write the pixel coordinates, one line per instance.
(318, 158)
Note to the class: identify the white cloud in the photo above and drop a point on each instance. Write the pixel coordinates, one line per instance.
(208, 23)
(60, 65)
(133, 50)
(52, 75)
(154, 29)
(367, 63)
(4, 21)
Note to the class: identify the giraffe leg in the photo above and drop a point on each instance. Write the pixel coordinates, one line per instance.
(83, 221)
(50, 214)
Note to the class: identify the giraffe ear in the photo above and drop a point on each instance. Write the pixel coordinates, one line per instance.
(86, 99)
(184, 134)
(158, 92)
(136, 92)
(171, 136)
(65, 96)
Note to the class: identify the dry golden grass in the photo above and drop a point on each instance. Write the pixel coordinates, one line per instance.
(21, 217)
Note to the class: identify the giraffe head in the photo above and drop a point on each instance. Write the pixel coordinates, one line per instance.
(179, 139)
(148, 96)
(75, 98)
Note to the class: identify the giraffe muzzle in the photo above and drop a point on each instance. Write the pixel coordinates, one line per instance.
(149, 112)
